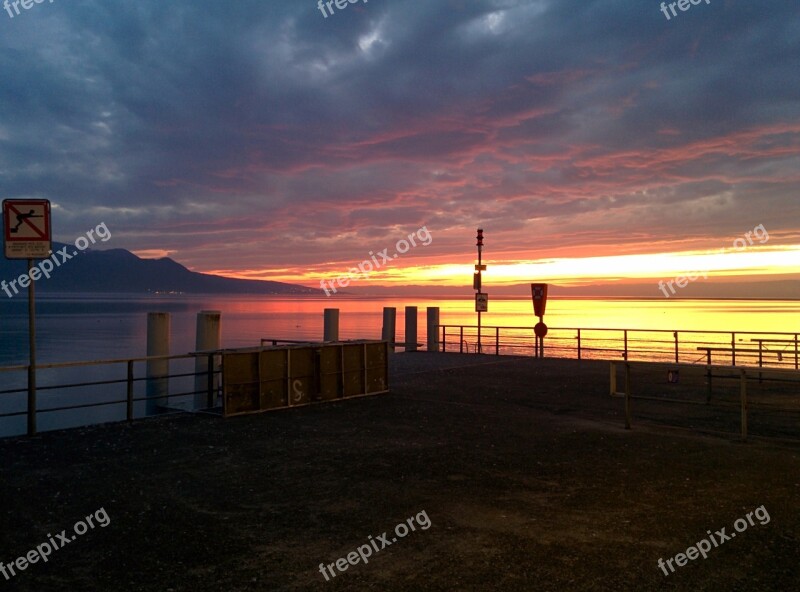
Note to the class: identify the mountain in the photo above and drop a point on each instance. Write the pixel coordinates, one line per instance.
(119, 270)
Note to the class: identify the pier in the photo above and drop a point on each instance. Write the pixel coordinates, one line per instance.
(71, 394)
(524, 467)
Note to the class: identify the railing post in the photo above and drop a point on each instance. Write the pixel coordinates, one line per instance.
(31, 400)
(625, 354)
(613, 383)
(743, 394)
(795, 352)
(129, 410)
(627, 396)
(461, 341)
(210, 382)
(676, 347)
(579, 344)
(497, 341)
(733, 349)
(444, 339)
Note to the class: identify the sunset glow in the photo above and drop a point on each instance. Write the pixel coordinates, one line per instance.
(764, 261)
(294, 145)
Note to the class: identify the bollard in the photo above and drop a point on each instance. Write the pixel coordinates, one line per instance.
(411, 329)
(331, 330)
(157, 370)
(207, 338)
(433, 328)
(389, 325)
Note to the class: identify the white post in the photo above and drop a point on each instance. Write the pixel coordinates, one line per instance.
(433, 328)
(207, 338)
(157, 370)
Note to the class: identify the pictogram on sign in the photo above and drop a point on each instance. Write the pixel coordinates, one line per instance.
(26, 228)
(539, 296)
(481, 302)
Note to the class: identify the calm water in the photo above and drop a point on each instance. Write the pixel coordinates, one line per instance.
(77, 328)
(85, 328)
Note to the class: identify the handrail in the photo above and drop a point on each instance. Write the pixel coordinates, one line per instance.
(95, 362)
(622, 343)
(742, 373)
(701, 331)
(32, 408)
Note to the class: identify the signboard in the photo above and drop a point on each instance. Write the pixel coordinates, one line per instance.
(481, 302)
(26, 228)
(539, 295)
(476, 282)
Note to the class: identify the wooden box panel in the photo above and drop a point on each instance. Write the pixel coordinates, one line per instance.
(273, 367)
(302, 375)
(240, 386)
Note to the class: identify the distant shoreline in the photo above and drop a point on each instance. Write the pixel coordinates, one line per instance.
(351, 297)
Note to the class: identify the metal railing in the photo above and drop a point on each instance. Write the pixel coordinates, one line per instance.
(756, 348)
(33, 409)
(740, 374)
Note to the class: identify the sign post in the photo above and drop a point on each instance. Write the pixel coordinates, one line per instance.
(481, 298)
(27, 235)
(539, 296)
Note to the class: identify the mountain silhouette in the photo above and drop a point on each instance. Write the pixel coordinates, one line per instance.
(120, 271)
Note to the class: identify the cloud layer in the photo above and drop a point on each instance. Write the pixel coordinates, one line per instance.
(260, 139)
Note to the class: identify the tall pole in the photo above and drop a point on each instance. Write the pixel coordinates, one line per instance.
(479, 307)
(32, 355)
(480, 249)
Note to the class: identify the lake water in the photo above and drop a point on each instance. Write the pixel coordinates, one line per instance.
(86, 327)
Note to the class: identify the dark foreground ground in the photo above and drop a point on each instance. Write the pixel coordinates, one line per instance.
(522, 467)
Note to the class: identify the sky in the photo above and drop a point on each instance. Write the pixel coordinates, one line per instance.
(595, 142)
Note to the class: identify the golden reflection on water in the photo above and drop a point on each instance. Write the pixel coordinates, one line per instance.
(706, 315)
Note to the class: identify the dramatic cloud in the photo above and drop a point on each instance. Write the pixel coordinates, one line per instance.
(260, 139)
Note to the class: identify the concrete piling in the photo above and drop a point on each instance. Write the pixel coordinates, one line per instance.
(388, 333)
(207, 338)
(411, 329)
(433, 328)
(158, 337)
(331, 330)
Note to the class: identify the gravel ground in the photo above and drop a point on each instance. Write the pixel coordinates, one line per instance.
(522, 467)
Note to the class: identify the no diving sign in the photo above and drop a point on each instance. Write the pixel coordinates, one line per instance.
(26, 228)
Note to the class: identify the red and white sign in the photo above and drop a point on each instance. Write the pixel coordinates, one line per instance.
(539, 295)
(26, 228)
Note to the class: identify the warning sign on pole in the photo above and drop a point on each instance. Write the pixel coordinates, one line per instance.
(481, 302)
(539, 295)
(26, 228)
